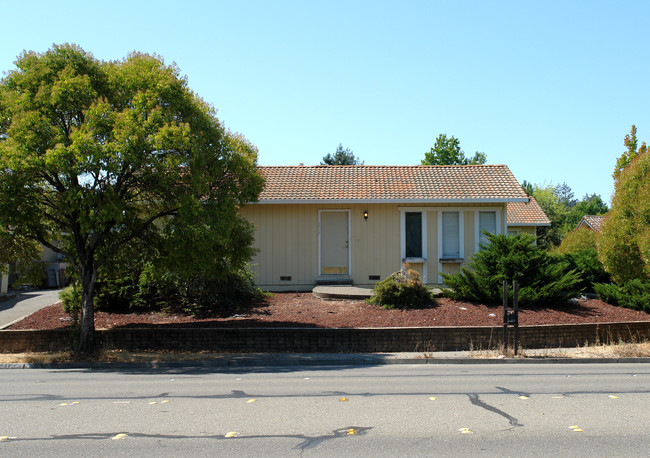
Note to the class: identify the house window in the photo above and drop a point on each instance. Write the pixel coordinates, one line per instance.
(512, 233)
(450, 235)
(413, 230)
(487, 221)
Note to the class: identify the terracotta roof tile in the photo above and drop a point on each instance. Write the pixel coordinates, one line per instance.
(594, 222)
(462, 183)
(527, 214)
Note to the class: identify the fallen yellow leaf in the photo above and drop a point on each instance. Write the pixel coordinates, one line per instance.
(118, 436)
(343, 399)
(232, 434)
(4, 438)
(523, 397)
(153, 402)
(432, 398)
(163, 402)
(251, 400)
(64, 404)
(352, 432)
(613, 396)
(577, 430)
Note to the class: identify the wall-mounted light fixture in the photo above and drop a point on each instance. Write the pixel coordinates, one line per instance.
(365, 215)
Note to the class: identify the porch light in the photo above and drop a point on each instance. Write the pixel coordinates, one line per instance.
(365, 215)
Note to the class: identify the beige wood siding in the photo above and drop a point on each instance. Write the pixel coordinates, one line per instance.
(532, 230)
(432, 245)
(287, 239)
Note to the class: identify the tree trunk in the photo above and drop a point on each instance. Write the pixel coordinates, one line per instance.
(86, 344)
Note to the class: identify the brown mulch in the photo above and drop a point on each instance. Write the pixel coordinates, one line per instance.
(306, 310)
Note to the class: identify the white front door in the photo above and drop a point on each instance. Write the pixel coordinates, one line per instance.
(334, 242)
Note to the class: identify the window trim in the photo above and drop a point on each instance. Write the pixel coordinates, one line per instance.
(402, 222)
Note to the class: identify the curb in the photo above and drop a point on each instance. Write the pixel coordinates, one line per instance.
(274, 361)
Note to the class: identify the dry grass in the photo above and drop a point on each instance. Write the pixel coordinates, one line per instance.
(615, 350)
(109, 356)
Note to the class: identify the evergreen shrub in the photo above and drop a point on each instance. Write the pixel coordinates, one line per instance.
(543, 279)
(635, 294)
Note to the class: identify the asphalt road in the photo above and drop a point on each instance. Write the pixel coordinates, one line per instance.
(24, 303)
(396, 410)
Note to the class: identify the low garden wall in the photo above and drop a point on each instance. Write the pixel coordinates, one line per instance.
(327, 340)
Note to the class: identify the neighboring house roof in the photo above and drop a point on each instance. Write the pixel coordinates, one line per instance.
(593, 222)
(376, 183)
(527, 214)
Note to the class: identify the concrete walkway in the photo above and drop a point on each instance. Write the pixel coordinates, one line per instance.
(21, 304)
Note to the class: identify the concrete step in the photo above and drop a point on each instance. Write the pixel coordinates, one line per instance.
(334, 280)
(342, 292)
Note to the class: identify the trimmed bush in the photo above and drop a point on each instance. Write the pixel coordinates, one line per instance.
(634, 294)
(402, 290)
(71, 301)
(543, 279)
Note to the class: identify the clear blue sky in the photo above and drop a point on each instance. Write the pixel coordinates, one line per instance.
(549, 88)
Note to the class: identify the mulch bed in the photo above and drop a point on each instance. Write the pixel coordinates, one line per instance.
(306, 310)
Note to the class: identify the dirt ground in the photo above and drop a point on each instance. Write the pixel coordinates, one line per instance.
(306, 310)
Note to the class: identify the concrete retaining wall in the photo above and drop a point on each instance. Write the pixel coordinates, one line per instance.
(311, 340)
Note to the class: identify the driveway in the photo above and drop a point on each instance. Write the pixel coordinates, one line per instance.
(25, 303)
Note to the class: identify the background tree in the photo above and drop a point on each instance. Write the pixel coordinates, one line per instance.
(446, 151)
(101, 154)
(624, 243)
(628, 156)
(341, 157)
(564, 211)
(528, 188)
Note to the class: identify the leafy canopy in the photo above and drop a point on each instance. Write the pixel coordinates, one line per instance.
(100, 154)
(631, 143)
(446, 151)
(564, 211)
(341, 157)
(624, 243)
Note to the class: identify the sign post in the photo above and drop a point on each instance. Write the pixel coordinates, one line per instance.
(511, 314)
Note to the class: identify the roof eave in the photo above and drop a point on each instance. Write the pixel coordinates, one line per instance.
(392, 201)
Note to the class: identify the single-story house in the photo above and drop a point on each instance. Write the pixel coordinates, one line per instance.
(358, 224)
(592, 222)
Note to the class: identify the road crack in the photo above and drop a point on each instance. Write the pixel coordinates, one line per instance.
(474, 399)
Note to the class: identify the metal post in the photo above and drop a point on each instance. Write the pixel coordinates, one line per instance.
(515, 304)
(505, 313)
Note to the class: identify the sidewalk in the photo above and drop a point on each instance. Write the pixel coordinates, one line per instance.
(23, 303)
(295, 361)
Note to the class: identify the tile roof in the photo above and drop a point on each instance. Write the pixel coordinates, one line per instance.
(372, 183)
(527, 214)
(594, 222)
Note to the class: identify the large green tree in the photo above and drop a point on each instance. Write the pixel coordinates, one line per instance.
(624, 243)
(342, 156)
(633, 150)
(100, 154)
(446, 151)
